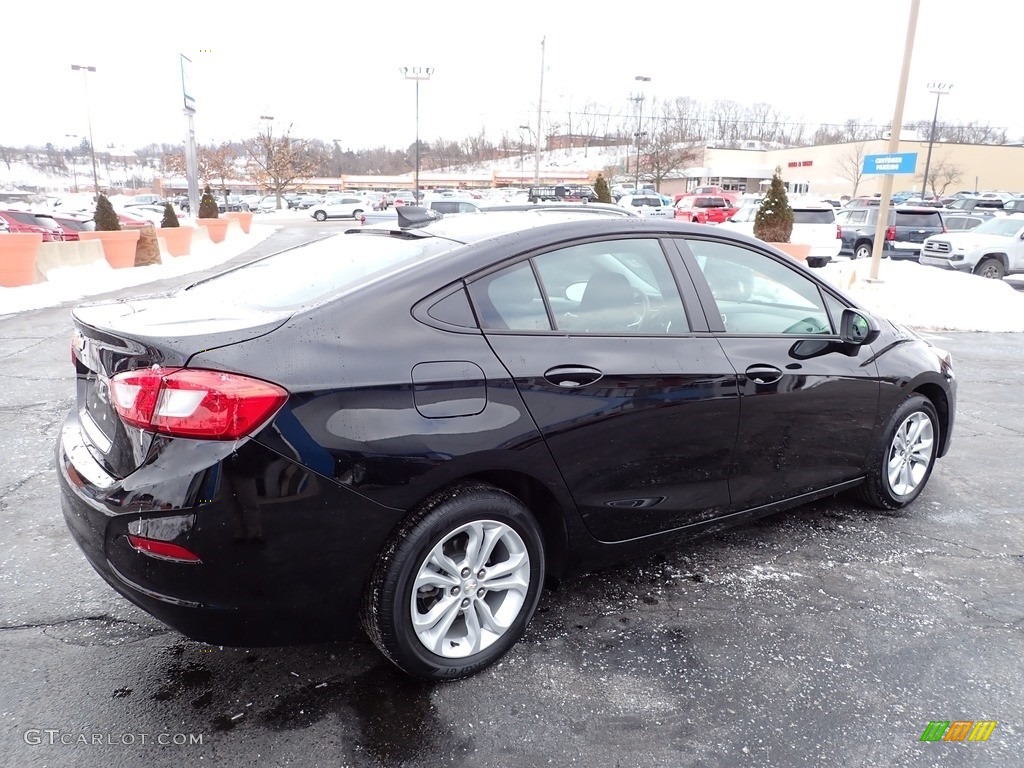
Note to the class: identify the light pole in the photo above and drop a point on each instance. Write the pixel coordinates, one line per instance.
(639, 99)
(939, 89)
(74, 166)
(341, 161)
(85, 70)
(417, 74)
(521, 129)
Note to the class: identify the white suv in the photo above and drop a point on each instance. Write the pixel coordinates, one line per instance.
(814, 224)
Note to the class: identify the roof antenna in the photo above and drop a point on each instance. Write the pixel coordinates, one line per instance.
(412, 216)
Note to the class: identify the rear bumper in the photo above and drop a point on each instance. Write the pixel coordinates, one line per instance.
(284, 553)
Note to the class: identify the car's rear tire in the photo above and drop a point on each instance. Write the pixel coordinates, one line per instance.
(320, 216)
(457, 583)
(356, 213)
(991, 268)
(862, 251)
(902, 461)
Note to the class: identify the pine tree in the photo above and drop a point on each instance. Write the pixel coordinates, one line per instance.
(774, 220)
(604, 194)
(105, 218)
(170, 218)
(207, 205)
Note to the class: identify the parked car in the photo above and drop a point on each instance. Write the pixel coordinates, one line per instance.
(267, 204)
(961, 222)
(72, 224)
(906, 229)
(993, 249)
(571, 193)
(307, 201)
(595, 209)
(144, 200)
(233, 203)
(704, 209)
(453, 206)
(250, 465)
(647, 204)
(967, 204)
(153, 214)
(33, 223)
(814, 224)
(1016, 205)
(341, 207)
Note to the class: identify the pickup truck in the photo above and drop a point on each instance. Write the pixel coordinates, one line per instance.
(993, 249)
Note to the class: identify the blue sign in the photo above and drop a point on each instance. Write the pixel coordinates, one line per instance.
(891, 165)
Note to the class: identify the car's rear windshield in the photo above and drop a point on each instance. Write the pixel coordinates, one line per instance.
(813, 216)
(909, 219)
(318, 271)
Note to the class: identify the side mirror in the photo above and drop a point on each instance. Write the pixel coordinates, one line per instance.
(857, 328)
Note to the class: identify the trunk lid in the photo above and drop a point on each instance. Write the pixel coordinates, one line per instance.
(113, 338)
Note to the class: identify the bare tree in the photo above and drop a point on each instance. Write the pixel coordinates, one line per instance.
(663, 155)
(942, 174)
(851, 165)
(277, 162)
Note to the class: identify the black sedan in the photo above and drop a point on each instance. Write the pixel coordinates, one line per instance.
(411, 427)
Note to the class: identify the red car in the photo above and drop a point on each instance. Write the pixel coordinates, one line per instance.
(705, 209)
(38, 223)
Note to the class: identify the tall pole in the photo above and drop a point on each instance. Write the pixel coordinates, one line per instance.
(938, 89)
(540, 117)
(417, 74)
(85, 70)
(639, 99)
(192, 165)
(416, 187)
(894, 139)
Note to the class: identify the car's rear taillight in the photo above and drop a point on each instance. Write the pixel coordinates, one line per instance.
(890, 233)
(162, 550)
(839, 232)
(194, 403)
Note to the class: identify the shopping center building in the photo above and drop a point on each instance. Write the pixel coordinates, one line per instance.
(826, 169)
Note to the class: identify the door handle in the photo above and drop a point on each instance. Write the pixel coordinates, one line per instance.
(572, 376)
(763, 374)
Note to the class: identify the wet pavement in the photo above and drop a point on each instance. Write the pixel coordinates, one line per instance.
(827, 636)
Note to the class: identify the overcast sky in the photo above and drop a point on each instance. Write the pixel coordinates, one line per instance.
(331, 68)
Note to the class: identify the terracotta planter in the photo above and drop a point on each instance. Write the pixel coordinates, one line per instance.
(218, 228)
(18, 258)
(799, 251)
(178, 239)
(244, 219)
(118, 247)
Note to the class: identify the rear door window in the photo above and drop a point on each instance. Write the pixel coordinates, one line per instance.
(906, 219)
(813, 216)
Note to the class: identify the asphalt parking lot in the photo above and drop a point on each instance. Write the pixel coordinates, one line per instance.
(827, 636)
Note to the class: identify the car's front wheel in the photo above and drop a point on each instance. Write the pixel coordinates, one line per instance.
(320, 216)
(457, 584)
(902, 462)
(990, 268)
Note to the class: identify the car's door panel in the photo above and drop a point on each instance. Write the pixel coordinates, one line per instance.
(808, 402)
(657, 428)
